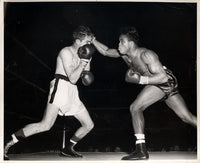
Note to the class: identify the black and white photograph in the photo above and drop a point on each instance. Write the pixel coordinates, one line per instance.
(100, 81)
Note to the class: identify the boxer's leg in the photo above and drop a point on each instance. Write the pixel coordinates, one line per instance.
(148, 96)
(177, 104)
(45, 124)
(86, 126)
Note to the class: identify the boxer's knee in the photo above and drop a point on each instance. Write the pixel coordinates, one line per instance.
(89, 126)
(135, 108)
(188, 118)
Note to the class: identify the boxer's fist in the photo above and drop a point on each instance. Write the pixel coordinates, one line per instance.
(87, 78)
(85, 52)
(135, 77)
(132, 76)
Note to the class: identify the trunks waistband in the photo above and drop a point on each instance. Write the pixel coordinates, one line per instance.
(59, 76)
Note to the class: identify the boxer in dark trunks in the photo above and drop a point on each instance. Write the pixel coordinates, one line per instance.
(159, 84)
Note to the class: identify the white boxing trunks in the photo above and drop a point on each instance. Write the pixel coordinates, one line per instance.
(65, 95)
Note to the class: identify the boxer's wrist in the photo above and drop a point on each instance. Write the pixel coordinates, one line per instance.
(144, 80)
(83, 64)
(93, 39)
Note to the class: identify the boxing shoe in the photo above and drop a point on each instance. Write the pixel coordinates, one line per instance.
(140, 153)
(6, 148)
(6, 157)
(68, 151)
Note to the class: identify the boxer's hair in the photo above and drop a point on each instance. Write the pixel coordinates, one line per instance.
(80, 32)
(131, 33)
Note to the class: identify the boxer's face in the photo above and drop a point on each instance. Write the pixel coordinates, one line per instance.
(86, 40)
(124, 44)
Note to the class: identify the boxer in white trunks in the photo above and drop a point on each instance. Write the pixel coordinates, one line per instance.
(63, 96)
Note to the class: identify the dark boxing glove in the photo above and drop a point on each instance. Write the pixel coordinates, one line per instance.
(85, 52)
(87, 78)
(135, 77)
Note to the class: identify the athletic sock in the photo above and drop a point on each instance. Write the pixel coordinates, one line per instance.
(74, 140)
(140, 138)
(19, 135)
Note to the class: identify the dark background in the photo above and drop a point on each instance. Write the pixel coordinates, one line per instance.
(34, 33)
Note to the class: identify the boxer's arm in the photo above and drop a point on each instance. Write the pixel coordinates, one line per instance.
(104, 50)
(87, 68)
(159, 75)
(73, 72)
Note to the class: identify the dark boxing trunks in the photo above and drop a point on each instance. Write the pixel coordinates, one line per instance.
(171, 87)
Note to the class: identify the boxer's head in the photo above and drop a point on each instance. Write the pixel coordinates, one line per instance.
(83, 34)
(128, 37)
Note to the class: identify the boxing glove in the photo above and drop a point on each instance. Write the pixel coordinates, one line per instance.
(87, 78)
(85, 52)
(135, 77)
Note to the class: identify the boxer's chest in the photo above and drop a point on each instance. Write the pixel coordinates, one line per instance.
(138, 65)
